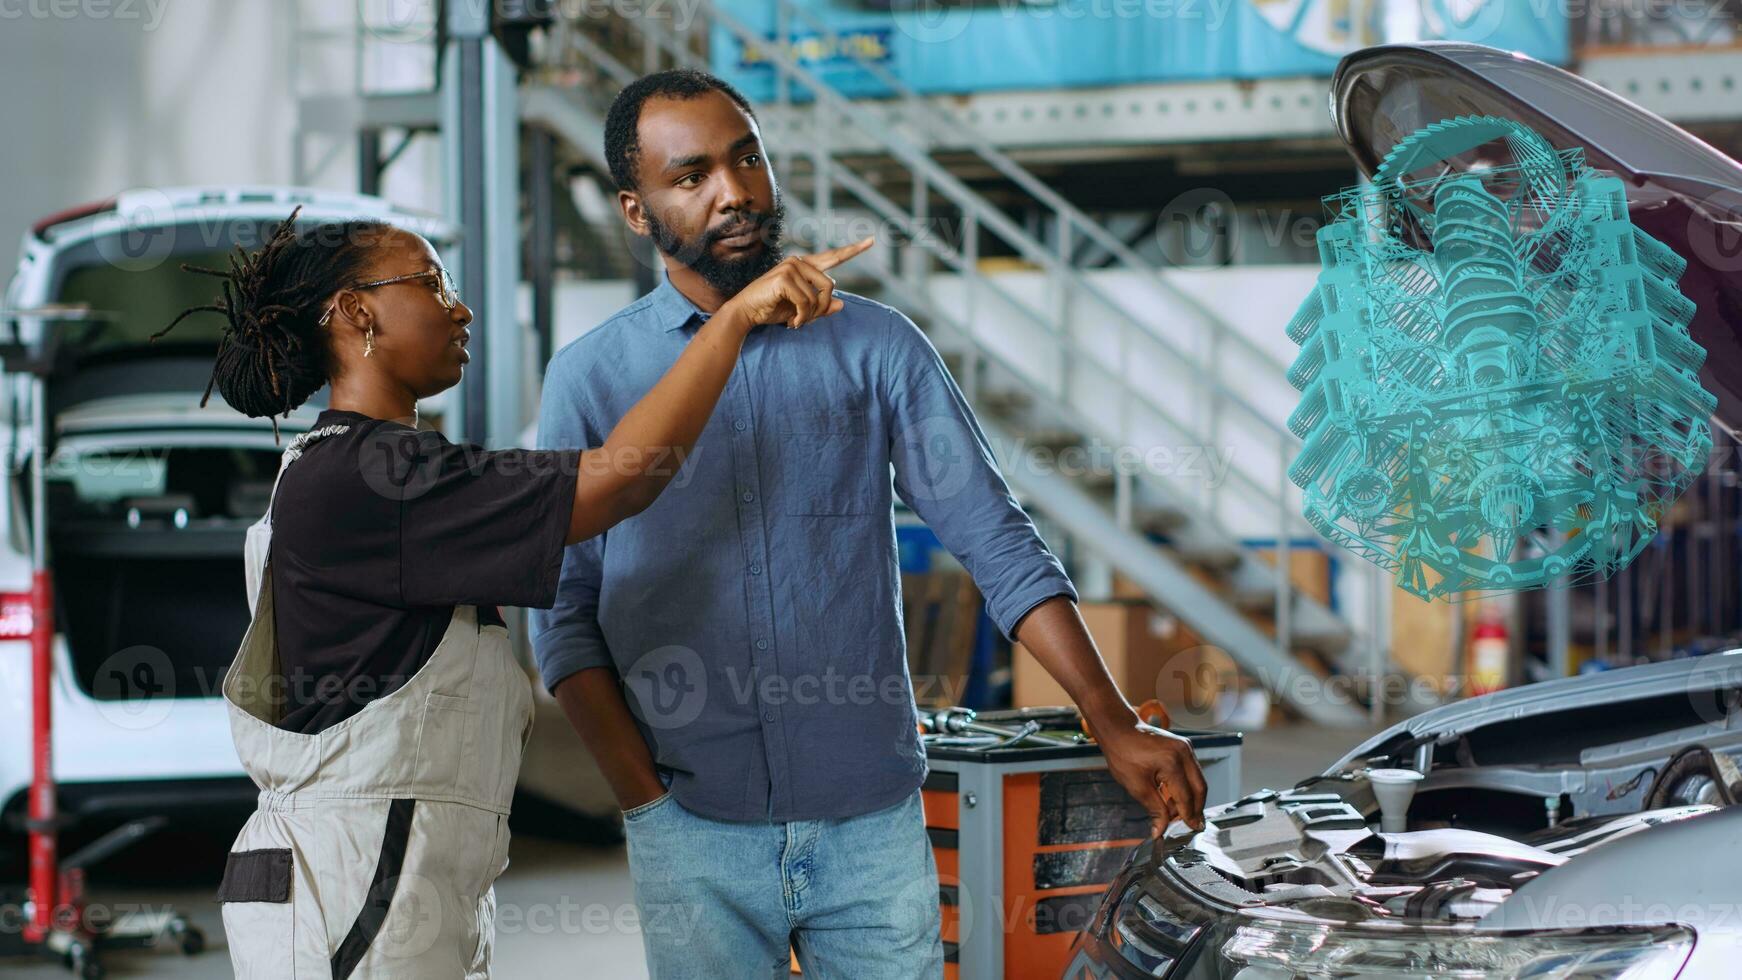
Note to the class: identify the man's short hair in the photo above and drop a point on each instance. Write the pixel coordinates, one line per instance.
(623, 120)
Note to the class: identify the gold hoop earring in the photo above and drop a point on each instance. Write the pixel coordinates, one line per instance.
(369, 341)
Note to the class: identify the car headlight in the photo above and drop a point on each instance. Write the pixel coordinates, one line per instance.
(1270, 949)
(1148, 934)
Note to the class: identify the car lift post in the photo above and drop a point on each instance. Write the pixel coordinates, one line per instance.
(33, 356)
(44, 891)
(57, 921)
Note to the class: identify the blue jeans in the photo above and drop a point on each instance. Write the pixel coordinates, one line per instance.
(856, 899)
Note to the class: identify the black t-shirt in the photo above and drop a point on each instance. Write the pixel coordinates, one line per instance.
(380, 531)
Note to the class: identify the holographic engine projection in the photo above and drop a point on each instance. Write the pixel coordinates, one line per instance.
(1498, 389)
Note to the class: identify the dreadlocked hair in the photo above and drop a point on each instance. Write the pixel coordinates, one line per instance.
(273, 353)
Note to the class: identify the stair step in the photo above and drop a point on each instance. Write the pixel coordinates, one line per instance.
(1326, 644)
(855, 281)
(1259, 608)
(1253, 600)
(1005, 402)
(1101, 483)
(1159, 520)
(1328, 640)
(1329, 643)
(1212, 557)
(1053, 440)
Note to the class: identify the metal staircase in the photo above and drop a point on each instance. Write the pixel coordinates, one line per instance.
(1067, 365)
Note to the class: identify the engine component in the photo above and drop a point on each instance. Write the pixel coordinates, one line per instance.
(1498, 389)
(1696, 774)
(1315, 853)
(1394, 788)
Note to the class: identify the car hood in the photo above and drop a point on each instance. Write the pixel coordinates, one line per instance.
(1660, 881)
(1680, 190)
(1699, 678)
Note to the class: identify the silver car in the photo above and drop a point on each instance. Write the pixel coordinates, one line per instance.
(1578, 828)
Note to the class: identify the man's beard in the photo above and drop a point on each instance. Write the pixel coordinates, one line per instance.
(728, 275)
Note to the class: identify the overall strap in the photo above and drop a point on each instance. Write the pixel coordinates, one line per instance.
(257, 543)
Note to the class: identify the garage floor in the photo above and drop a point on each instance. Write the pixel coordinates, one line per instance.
(559, 900)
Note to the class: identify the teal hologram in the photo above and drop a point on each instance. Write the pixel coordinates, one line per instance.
(1498, 389)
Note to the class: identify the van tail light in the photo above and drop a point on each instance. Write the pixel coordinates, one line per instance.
(16, 618)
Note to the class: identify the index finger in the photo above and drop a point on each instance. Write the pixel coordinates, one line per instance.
(1179, 802)
(1185, 789)
(835, 256)
(1198, 789)
(1161, 810)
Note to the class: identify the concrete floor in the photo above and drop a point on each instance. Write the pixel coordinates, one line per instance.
(566, 910)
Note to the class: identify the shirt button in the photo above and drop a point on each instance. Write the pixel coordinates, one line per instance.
(748, 496)
(756, 569)
(768, 716)
(761, 644)
(740, 425)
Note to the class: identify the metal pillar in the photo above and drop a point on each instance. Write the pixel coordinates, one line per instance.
(369, 161)
(480, 140)
(1558, 601)
(540, 198)
(1560, 663)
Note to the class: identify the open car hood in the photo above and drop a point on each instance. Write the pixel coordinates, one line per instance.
(1680, 189)
(1703, 681)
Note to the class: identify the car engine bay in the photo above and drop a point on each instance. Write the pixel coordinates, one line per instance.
(1313, 852)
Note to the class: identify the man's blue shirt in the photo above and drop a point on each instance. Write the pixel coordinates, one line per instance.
(753, 612)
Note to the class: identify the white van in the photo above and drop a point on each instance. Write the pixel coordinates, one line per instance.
(148, 498)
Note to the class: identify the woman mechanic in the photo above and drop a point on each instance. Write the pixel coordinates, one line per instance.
(374, 699)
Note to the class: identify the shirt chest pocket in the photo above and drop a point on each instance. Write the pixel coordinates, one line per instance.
(826, 465)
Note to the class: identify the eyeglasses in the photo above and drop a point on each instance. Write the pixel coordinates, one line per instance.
(445, 293)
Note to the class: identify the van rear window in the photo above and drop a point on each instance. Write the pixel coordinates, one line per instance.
(139, 302)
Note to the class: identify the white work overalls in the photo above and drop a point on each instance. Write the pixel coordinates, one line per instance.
(377, 840)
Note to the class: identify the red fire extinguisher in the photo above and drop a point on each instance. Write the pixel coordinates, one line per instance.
(1490, 651)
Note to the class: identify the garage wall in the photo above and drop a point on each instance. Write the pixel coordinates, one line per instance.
(137, 92)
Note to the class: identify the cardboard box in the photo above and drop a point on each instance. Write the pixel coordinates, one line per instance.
(1150, 654)
(1310, 573)
(940, 611)
(1427, 642)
